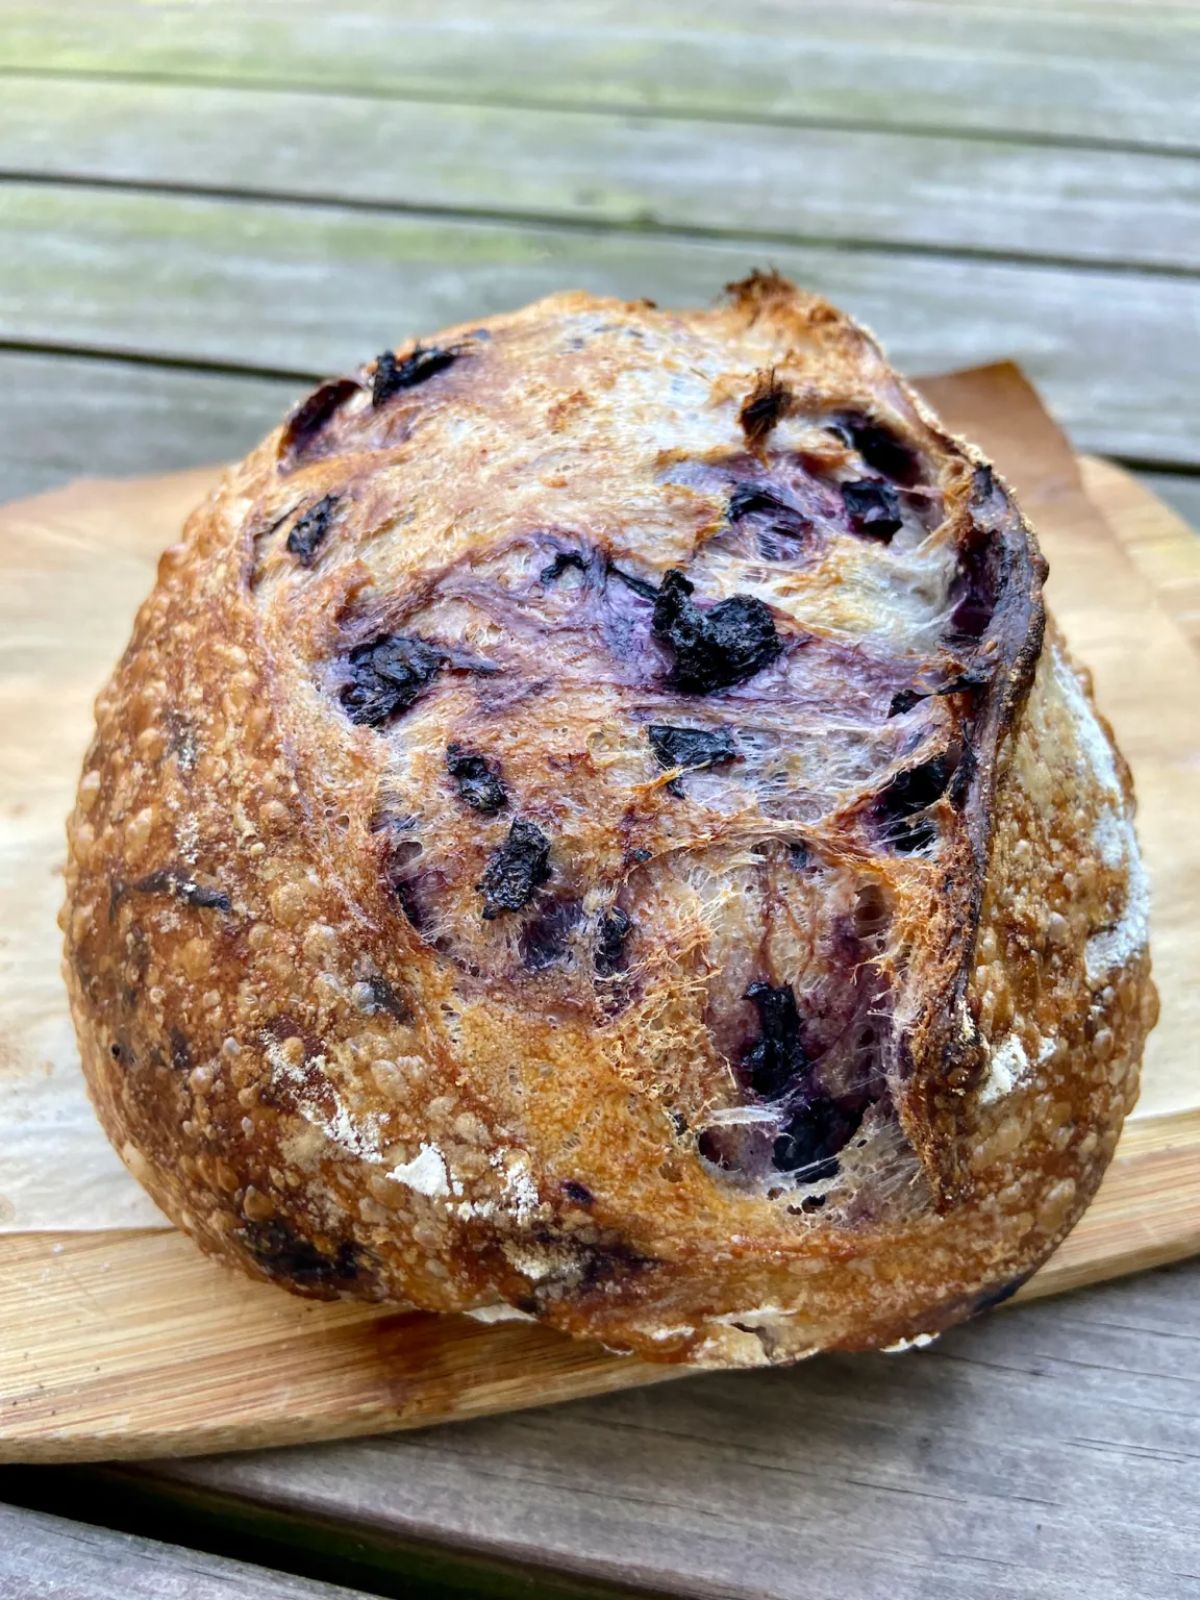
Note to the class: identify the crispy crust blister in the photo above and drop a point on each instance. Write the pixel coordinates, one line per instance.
(593, 823)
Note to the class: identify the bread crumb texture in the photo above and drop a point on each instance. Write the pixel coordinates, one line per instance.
(593, 824)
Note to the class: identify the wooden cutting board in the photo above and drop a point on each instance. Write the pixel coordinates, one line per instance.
(128, 1343)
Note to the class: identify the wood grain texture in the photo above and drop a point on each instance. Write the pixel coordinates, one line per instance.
(1047, 1453)
(912, 191)
(133, 1344)
(48, 1558)
(251, 284)
(1100, 71)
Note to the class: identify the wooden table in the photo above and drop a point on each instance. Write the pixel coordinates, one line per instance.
(207, 204)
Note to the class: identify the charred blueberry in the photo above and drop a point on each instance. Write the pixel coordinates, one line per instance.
(692, 748)
(815, 1135)
(383, 996)
(422, 364)
(974, 677)
(289, 1258)
(198, 894)
(311, 415)
(778, 1060)
(777, 524)
(752, 500)
(716, 647)
(904, 701)
(516, 870)
(613, 930)
(873, 508)
(181, 885)
(577, 1193)
(878, 446)
(901, 806)
(388, 673)
(604, 1264)
(478, 782)
(309, 531)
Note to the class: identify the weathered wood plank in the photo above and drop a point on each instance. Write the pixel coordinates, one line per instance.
(64, 418)
(1094, 71)
(50, 1558)
(1048, 1454)
(315, 288)
(916, 191)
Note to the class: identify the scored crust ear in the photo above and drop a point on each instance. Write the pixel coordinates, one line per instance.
(990, 656)
(1003, 571)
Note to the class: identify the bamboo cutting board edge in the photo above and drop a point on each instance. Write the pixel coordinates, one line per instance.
(344, 1370)
(348, 1370)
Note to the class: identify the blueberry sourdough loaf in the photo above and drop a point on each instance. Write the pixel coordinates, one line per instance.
(594, 823)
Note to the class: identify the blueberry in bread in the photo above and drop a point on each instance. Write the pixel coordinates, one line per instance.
(594, 823)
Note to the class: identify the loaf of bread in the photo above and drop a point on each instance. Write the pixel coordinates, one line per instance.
(595, 824)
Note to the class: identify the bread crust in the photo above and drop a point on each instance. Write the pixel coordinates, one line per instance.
(464, 913)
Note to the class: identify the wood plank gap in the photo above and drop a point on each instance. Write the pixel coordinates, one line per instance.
(144, 358)
(1177, 469)
(314, 1546)
(593, 226)
(47, 1554)
(334, 88)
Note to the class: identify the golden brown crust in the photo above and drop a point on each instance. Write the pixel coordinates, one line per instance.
(467, 910)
